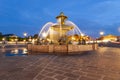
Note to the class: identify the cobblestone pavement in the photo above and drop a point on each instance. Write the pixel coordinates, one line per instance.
(103, 64)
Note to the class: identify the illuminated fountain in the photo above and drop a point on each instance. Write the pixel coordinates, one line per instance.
(59, 32)
(63, 36)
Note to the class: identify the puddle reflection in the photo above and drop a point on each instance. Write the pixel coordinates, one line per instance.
(16, 52)
(25, 51)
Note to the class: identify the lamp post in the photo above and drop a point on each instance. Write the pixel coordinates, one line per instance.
(3, 42)
(16, 40)
(82, 41)
(44, 35)
(25, 35)
(30, 39)
(3, 39)
(101, 35)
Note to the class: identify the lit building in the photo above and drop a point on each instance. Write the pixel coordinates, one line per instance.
(108, 38)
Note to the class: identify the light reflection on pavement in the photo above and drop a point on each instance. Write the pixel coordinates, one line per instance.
(103, 64)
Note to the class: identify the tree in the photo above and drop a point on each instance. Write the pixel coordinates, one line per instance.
(35, 36)
(1, 36)
(0, 33)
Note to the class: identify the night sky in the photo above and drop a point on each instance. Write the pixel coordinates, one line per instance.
(91, 16)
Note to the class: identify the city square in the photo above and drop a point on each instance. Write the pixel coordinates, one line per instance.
(103, 64)
(59, 40)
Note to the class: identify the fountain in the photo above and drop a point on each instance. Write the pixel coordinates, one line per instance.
(59, 31)
(63, 36)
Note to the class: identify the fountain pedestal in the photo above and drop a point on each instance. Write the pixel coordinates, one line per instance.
(67, 49)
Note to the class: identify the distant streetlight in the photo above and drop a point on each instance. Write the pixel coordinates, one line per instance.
(101, 33)
(3, 39)
(3, 42)
(25, 34)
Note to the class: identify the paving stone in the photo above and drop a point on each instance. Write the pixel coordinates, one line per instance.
(48, 79)
(44, 72)
(87, 78)
(40, 77)
(59, 77)
(49, 70)
(71, 75)
(50, 74)
(103, 64)
(94, 76)
(70, 79)
(111, 78)
(80, 73)
(59, 72)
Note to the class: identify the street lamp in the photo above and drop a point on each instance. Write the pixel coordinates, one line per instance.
(3, 39)
(101, 33)
(25, 34)
(3, 42)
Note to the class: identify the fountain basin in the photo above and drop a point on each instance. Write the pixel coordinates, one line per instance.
(61, 48)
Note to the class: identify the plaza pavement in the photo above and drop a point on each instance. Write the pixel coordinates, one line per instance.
(103, 64)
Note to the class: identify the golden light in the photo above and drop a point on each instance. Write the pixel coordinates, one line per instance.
(48, 39)
(3, 39)
(105, 40)
(33, 40)
(16, 39)
(30, 39)
(73, 38)
(24, 40)
(12, 40)
(44, 34)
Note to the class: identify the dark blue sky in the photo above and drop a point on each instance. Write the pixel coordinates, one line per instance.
(92, 16)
